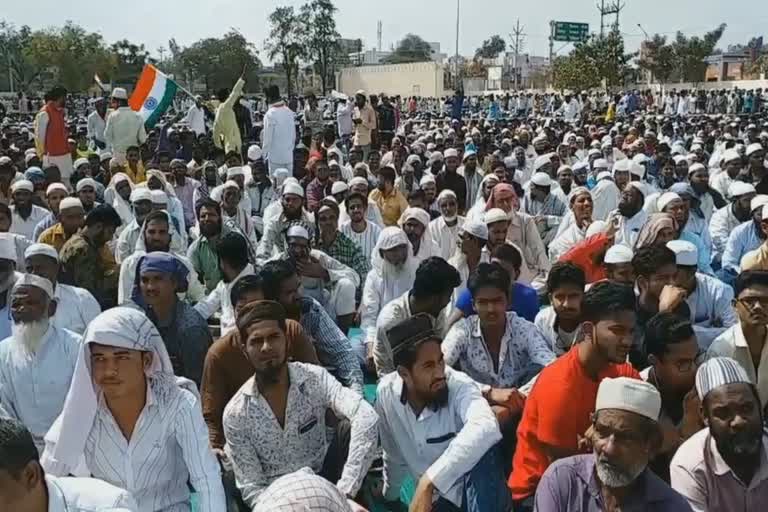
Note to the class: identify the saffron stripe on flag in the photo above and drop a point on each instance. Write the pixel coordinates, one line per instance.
(143, 86)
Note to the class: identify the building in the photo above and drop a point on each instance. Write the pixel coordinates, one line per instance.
(428, 79)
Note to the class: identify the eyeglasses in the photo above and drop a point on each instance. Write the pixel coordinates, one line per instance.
(751, 302)
(687, 365)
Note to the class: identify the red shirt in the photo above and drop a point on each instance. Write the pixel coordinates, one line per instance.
(556, 413)
(584, 254)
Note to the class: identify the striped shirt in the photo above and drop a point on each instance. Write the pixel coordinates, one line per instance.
(365, 240)
(168, 448)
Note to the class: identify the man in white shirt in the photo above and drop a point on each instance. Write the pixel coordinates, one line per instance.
(344, 121)
(632, 216)
(364, 233)
(25, 215)
(279, 132)
(195, 118)
(747, 340)
(444, 230)
(276, 423)
(232, 250)
(727, 218)
(125, 128)
(437, 428)
(37, 361)
(24, 486)
(97, 123)
(415, 222)
(125, 404)
(75, 307)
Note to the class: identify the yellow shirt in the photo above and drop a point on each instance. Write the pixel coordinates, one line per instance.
(391, 206)
(136, 177)
(55, 237)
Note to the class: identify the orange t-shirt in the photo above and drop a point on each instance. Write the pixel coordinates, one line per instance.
(556, 412)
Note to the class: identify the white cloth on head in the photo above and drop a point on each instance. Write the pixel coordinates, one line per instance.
(686, 253)
(22, 185)
(56, 186)
(85, 182)
(34, 281)
(41, 250)
(618, 254)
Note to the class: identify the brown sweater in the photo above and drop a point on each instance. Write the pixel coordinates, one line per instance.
(227, 368)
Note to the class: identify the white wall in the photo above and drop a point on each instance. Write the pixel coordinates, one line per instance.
(415, 79)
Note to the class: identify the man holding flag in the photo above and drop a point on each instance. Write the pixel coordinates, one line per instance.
(125, 127)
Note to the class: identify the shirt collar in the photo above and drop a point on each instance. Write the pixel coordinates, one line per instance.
(56, 499)
(296, 378)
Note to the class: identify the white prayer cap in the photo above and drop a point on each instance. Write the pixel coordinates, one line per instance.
(510, 162)
(697, 167)
(70, 202)
(36, 281)
(85, 182)
(600, 163)
(56, 186)
(391, 237)
(621, 165)
(640, 158)
(717, 372)
(740, 188)
(141, 194)
(235, 171)
(80, 161)
(446, 193)
(632, 395)
(22, 185)
(666, 198)
(427, 179)
(105, 155)
(416, 214)
(295, 189)
(764, 214)
(468, 153)
(360, 92)
(541, 161)
(297, 231)
(159, 197)
(435, 156)
(731, 155)
(281, 175)
(755, 146)
(358, 180)
(541, 179)
(686, 253)
(254, 152)
(603, 175)
(758, 201)
(618, 254)
(450, 152)
(119, 93)
(230, 184)
(41, 250)
(7, 247)
(679, 159)
(495, 215)
(339, 187)
(636, 169)
(5, 160)
(475, 228)
(594, 151)
(640, 187)
(596, 227)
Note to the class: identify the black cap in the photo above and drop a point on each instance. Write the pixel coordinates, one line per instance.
(412, 330)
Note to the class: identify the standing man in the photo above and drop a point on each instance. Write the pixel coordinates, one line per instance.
(196, 117)
(124, 128)
(365, 121)
(279, 133)
(51, 134)
(345, 124)
(226, 133)
(97, 123)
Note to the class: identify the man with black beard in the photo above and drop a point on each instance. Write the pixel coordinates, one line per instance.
(203, 251)
(437, 427)
(724, 466)
(273, 241)
(632, 216)
(727, 218)
(625, 435)
(276, 423)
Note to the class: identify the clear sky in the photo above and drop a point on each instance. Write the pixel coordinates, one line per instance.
(153, 22)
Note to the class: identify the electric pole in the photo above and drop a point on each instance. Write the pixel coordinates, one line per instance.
(606, 10)
(518, 43)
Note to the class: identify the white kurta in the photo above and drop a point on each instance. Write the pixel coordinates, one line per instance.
(711, 303)
(630, 228)
(605, 197)
(721, 225)
(444, 236)
(75, 308)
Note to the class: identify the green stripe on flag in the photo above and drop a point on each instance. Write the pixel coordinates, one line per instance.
(162, 106)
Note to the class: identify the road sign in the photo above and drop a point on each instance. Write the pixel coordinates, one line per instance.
(569, 32)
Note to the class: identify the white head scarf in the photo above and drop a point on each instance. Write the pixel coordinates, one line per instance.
(395, 281)
(117, 327)
(111, 197)
(169, 190)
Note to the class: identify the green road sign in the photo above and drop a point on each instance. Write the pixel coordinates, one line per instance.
(570, 32)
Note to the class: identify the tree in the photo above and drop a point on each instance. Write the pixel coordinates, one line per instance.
(491, 48)
(690, 52)
(129, 60)
(321, 38)
(591, 61)
(15, 66)
(71, 53)
(411, 49)
(658, 58)
(218, 62)
(286, 41)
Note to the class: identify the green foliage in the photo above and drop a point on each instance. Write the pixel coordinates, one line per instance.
(321, 38)
(411, 49)
(681, 59)
(286, 41)
(491, 48)
(13, 60)
(592, 61)
(219, 61)
(129, 60)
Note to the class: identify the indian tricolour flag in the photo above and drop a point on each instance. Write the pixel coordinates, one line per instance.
(153, 95)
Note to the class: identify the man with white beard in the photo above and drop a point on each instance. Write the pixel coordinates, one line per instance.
(625, 436)
(38, 360)
(444, 230)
